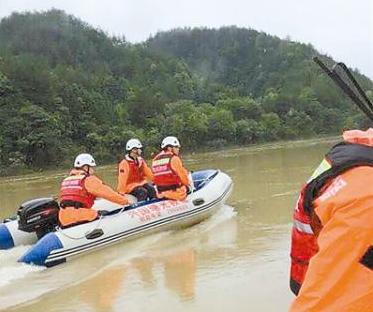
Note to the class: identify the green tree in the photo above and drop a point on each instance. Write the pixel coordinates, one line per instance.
(242, 108)
(272, 126)
(187, 121)
(248, 131)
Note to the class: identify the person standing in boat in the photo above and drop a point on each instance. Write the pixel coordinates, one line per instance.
(332, 235)
(134, 174)
(170, 176)
(79, 191)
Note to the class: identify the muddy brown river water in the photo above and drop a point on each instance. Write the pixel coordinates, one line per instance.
(237, 260)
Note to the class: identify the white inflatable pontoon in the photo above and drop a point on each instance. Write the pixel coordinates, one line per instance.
(212, 188)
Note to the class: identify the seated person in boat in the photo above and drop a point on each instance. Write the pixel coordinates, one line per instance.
(170, 176)
(79, 191)
(134, 174)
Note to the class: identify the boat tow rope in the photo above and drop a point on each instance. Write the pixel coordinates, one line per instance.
(94, 228)
(59, 230)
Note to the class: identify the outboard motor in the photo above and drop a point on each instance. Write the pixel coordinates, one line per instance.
(38, 215)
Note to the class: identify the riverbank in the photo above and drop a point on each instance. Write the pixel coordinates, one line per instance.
(29, 174)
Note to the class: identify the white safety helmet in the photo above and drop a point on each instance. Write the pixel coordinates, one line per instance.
(133, 143)
(170, 140)
(84, 159)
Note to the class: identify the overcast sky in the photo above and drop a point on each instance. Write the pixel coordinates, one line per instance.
(342, 29)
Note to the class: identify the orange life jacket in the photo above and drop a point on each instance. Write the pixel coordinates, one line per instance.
(306, 224)
(164, 177)
(74, 193)
(136, 170)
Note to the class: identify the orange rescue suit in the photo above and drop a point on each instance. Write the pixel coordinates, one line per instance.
(132, 173)
(339, 276)
(170, 176)
(77, 194)
(306, 226)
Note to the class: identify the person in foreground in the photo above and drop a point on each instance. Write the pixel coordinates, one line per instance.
(80, 189)
(170, 176)
(332, 236)
(134, 174)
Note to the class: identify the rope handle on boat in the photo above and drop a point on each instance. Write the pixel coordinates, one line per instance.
(94, 228)
(85, 234)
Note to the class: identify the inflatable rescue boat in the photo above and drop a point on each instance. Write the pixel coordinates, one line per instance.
(37, 221)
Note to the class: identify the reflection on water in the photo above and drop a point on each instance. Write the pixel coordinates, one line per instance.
(236, 260)
(180, 273)
(101, 291)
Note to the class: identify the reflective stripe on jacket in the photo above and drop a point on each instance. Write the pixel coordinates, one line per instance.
(73, 190)
(164, 176)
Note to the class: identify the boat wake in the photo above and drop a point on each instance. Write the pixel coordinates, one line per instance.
(225, 213)
(10, 269)
(20, 283)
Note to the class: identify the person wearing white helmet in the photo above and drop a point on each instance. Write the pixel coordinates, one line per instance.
(134, 174)
(170, 176)
(84, 159)
(79, 190)
(170, 141)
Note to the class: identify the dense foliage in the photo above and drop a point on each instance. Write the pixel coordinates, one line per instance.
(66, 87)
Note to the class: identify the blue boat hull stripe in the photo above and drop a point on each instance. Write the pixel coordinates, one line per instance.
(6, 239)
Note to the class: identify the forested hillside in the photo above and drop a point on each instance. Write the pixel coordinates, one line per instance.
(66, 87)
